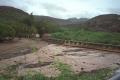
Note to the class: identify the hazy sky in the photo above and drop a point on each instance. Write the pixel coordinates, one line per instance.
(66, 8)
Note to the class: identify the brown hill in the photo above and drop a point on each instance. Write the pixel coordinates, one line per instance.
(108, 22)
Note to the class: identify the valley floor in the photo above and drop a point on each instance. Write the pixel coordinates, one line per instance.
(31, 56)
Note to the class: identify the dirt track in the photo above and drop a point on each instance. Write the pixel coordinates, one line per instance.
(80, 59)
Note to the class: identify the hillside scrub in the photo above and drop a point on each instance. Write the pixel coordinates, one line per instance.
(88, 36)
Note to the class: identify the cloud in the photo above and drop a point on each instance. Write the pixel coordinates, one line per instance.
(48, 6)
(114, 10)
(54, 10)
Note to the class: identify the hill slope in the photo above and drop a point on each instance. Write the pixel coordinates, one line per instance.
(11, 14)
(61, 22)
(109, 23)
(51, 19)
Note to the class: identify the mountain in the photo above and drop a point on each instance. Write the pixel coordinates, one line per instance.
(51, 19)
(108, 22)
(11, 14)
(80, 20)
(61, 22)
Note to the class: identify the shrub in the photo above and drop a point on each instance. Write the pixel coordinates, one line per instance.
(6, 32)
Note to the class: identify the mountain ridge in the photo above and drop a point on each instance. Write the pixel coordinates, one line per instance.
(106, 22)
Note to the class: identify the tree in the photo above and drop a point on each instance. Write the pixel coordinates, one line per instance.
(28, 20)
(40, 28)
(6, 32)
(45, 26)
(29, 28)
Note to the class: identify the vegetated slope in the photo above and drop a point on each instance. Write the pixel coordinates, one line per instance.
(50, 19)
(19, 22)
(11, 13)
(107, 23)
(76, 20)
(60, 22)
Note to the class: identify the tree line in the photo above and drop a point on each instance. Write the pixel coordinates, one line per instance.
(27, 28)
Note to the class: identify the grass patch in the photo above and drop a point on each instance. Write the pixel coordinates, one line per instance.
(2, 77)
(102, 74)
(34, 49)
(33, 77)
(88, 36)
(9, 73)
(66, 74)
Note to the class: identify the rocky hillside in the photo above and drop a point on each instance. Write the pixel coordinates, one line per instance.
(108, 22)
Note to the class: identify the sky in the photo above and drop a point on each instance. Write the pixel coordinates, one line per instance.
(66, 8)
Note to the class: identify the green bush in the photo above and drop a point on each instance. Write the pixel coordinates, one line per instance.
(6, 32)
(45, 26)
